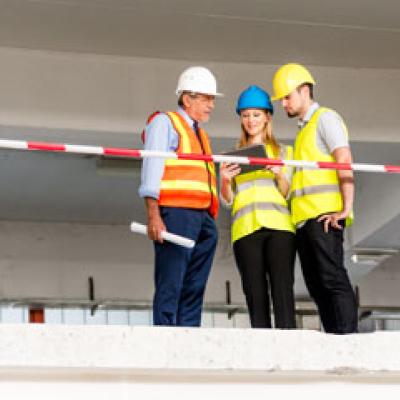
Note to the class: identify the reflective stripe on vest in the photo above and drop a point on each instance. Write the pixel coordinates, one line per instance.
(189, 183)
(255, 182)
(313, 192)
(258, 203)
(260, 206)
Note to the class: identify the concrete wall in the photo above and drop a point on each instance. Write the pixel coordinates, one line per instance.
(380, 288)
(54, 261)
(66, 90)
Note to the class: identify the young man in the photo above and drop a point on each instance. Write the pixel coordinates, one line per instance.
(180, 197)
(321, 200)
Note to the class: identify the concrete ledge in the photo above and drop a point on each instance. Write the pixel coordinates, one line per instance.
(198, 350)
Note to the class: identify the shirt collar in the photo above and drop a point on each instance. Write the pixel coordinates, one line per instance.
(314, 107)
(185, 115)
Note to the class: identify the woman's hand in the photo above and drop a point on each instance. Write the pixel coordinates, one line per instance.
(280, 178)
(276, 170)
(229, 171)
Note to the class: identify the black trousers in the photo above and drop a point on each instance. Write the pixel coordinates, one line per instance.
(322, 263)
(265, 260)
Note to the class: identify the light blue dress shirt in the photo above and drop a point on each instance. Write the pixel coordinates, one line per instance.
(160, 136)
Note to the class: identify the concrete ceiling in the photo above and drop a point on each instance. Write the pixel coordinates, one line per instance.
(357, 33)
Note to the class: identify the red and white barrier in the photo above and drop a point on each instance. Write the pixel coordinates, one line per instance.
(134, 153)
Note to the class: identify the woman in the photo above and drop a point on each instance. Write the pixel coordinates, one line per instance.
(262, 231)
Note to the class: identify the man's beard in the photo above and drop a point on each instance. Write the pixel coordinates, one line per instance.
(292, 115)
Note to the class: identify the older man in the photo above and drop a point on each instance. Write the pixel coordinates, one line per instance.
(321, 200)
(180, 197)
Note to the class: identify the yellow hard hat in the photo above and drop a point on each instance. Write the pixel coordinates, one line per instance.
(288, 78)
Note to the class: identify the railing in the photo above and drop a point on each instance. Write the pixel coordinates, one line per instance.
(228, 315)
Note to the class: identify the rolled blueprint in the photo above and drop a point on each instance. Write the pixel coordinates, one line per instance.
(171, 237)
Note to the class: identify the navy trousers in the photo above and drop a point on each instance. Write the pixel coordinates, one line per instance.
(181, 274)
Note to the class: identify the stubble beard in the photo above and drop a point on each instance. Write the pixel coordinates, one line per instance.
(292, 114)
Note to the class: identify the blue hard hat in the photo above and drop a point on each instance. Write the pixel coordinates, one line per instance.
(254, 97)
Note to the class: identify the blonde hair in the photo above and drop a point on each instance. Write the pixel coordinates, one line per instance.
(267, 137)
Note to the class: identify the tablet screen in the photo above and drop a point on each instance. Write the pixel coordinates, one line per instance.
(257, 150)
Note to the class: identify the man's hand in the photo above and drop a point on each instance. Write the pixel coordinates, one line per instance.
(332, 220)
(154, 228)
(346, 186)
(155, 224)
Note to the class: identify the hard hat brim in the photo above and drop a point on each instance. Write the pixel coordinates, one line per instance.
(276, 98)
(179, 92)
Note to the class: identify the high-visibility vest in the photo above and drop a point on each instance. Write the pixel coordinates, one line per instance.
(189, 183)
(314, 192)
(258, 202)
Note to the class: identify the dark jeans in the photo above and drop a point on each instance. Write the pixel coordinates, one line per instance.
(321, 257)
(181, 274)
(265, 260)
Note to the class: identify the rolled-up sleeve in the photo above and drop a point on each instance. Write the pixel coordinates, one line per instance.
(160, 136)
(332, 131)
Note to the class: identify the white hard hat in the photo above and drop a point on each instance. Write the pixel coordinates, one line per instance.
(197, 80)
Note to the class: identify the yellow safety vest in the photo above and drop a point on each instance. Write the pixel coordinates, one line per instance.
(258, 202)
(314, 191)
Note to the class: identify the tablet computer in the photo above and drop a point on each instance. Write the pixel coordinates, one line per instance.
(257, 150)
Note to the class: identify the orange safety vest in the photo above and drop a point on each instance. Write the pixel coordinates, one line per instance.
(189, 183)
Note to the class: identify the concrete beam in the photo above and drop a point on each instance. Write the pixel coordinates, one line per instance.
(192, 350)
